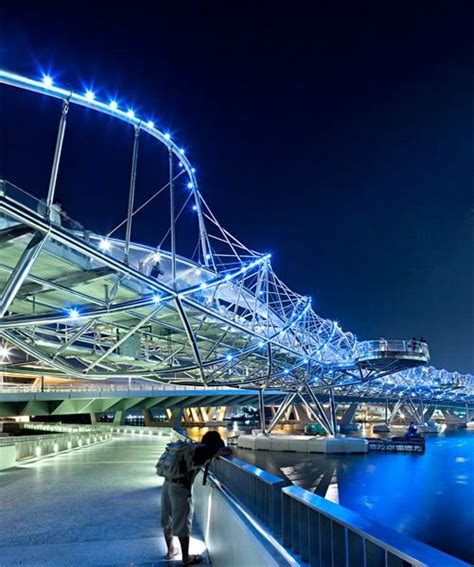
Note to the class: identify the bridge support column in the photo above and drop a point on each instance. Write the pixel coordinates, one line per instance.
(349, 413)
(176, 417)
(95, 417)
(261, 409)
(119, 418)
(148, 418)
(281, 411)
(333, 408)
(320, 417)
(428, 413)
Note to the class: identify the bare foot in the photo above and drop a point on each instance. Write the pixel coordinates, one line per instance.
(172, 552)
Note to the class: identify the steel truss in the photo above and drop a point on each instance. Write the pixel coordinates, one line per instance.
(85, 306)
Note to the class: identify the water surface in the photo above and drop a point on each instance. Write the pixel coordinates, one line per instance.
(429, 497)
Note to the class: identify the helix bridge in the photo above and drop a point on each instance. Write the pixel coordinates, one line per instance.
(195, 307)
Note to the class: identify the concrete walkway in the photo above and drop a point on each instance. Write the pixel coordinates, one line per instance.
(94, 506)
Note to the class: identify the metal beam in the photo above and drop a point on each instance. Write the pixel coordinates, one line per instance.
(124, 338)
(57, 156)
(314, 413)
(17, 277)
(12, 232)
(131, 194)
(281, 410)
(322, 413)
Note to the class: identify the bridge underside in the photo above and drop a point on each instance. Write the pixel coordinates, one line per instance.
(74, 403)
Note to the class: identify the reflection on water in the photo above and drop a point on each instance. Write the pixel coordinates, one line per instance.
(429, 497)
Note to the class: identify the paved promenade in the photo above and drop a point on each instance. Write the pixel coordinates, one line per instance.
(95, 506)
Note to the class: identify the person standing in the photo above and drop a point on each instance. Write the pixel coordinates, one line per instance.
(176, 495)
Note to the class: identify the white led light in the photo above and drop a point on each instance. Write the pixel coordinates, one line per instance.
(47, 81)
(167, 136)
(181, 150)
(130, 113)
(229, 357)
(4, 352)
(190, 185)
(156, 256)
(150, 124)
(193, 170)
(89, 95)
(104, 244)
(73, 313)
(113, 105)
(156, 298)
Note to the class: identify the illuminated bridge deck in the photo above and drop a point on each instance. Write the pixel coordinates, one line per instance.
(96, 506)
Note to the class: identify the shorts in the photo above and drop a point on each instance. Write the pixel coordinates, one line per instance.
(176, 509)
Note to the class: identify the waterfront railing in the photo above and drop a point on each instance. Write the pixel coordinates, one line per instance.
(320, 532)
(258, 490)
(323, 533)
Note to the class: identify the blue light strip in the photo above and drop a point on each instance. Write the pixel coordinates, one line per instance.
(88, 100)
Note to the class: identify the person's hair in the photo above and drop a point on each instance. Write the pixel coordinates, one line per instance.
(213, 440)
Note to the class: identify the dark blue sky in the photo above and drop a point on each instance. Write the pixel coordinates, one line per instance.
(337, 137)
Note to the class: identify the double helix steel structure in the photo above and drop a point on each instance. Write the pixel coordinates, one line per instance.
(197, 307)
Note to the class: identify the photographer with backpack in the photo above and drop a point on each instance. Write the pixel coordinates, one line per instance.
(179, 465)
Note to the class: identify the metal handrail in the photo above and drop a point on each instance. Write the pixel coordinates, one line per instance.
(325, 533)
(257, 489)
(6, 388)
(320, 531)
(366, 348)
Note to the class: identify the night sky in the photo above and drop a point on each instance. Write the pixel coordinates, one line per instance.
(337, 137)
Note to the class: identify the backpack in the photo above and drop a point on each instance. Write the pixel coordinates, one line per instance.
(177, 460)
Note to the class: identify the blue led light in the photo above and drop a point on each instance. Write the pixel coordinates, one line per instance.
(130, 113)
(113, 104)
(261, 344)
(180, 164)
(195, 208)
(167, 136)
(182, 151)
(47, 81)
(150, 124)
(229, 357)
(286, 371)
(156, 298)
(193, 170)
(190, 185)
(208, 256)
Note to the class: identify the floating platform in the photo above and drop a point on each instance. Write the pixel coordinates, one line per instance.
(397, 445)
(303, 444)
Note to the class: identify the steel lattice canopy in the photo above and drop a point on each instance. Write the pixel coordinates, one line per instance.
(84, 306)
